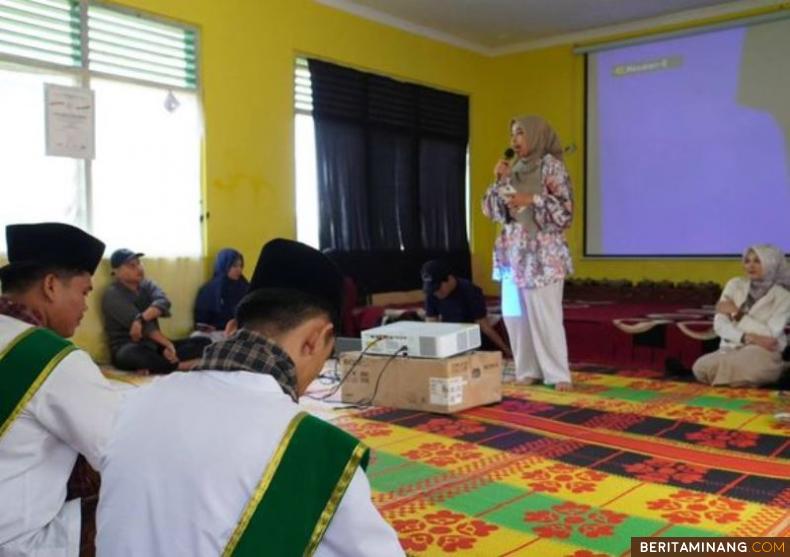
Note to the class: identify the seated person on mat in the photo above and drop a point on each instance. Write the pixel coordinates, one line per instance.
(453, 299)
(222, 461)
(216, 300)
(54, 401)
(131, 307)
(750, 319)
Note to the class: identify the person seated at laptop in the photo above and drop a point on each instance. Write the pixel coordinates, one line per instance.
(453, 299)
(131, 307)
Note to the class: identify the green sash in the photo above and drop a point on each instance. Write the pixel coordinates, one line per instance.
(25, 363)
(299, 491)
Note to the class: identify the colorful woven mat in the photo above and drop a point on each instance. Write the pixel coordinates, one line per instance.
(578, 474)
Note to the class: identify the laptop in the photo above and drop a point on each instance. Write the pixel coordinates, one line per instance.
(347, 344)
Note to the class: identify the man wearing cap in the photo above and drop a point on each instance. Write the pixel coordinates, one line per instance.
(222, 459)
(132, 306)
(54, 401)
(453, 299)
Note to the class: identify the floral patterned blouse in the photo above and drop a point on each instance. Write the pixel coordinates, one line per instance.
(542, 259)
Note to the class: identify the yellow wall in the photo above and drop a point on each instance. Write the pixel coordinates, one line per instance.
(550, 82)
(247, 53)
(247, 50)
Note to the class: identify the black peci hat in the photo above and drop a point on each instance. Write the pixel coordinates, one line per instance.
(289, 264)
(51, 244)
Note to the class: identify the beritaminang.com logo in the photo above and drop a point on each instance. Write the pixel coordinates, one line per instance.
(764, 547)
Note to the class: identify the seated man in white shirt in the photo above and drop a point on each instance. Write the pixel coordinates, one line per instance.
(54, 401)
(222, 461)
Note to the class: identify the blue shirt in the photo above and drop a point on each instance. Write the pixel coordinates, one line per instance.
(465, 304)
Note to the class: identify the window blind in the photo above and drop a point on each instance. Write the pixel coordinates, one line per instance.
(351, 95)
(303, 87)
(41, 30)
(126, 45)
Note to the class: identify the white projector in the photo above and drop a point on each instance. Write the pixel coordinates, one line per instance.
(421, 340)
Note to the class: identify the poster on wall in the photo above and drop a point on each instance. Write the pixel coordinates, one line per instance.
(69, 121)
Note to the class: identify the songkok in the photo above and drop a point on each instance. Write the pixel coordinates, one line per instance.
(51, 244)
(289, 264)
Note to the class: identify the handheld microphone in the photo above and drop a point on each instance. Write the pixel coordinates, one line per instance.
(507, 157)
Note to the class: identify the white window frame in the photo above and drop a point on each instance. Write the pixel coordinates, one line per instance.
(83, 75)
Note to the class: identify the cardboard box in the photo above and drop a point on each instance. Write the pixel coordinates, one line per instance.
(433, 385)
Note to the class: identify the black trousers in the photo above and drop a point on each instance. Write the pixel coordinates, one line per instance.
(146, 354)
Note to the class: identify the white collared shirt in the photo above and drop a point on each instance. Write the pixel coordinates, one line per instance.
(186, 455)
(768, 316)
(72, 412)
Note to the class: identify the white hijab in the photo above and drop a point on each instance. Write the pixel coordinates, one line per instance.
(775, 270)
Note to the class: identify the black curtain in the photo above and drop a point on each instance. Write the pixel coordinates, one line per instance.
(342, 186)
(442, 205)
(392, 205)
(391, 162)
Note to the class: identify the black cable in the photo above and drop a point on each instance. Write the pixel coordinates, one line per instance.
(369, 401)
(348, 373)
(330, 378)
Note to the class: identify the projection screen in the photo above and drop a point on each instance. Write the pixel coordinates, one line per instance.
(688, 143)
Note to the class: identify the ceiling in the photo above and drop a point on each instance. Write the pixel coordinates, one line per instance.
(500, 26)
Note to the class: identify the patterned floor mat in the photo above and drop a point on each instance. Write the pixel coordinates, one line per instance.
(578, 474)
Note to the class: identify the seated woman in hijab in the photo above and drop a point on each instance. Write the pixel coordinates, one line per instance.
(750, 320)
(217, 299)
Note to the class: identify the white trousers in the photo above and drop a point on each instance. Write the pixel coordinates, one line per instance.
(747, 365)
(533, 317)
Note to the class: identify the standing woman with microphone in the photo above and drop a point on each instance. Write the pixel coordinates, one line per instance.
(532, 198)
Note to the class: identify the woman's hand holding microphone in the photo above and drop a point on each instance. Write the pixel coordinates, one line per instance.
(502, 170)
(515, 201)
